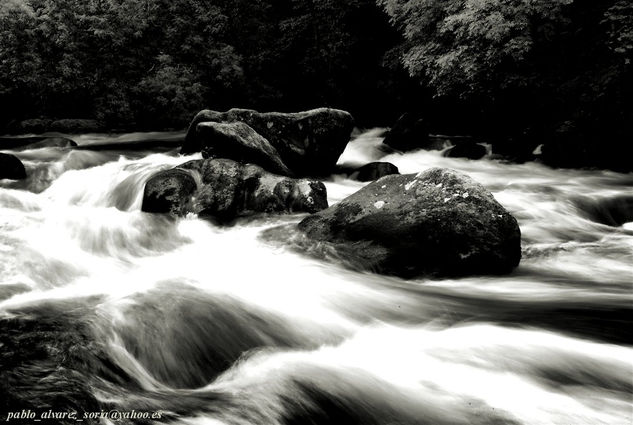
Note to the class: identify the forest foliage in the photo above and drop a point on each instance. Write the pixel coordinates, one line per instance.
(524, 63)
(483, 65)
(148, 63)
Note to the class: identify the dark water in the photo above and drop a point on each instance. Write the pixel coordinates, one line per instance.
(104, 308)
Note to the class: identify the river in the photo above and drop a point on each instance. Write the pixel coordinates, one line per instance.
(107, 309)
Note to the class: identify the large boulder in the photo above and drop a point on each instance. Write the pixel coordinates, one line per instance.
(225, 189)
(11, 167)
(438, 222)
(309, 142)
(374, 171)
(409, 132)
(240, 142)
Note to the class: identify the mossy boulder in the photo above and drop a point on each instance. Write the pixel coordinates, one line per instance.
(224, 189)
(240, 142)
(309, 143)
(437, 222)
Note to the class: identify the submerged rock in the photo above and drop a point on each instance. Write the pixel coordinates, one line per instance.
(409, 132)
(225, 189)
(519, 148)
(154, 145)
(566, 147)
(470, 150)
(18, 142)
(11, 167)
(240, 142)
(69, 126)
(614, 211)
(52, 142)
(575, 144)
(77, 126)
(308, 143)
(374, 171)
(37, 142)
(9, 290)
(437, 222)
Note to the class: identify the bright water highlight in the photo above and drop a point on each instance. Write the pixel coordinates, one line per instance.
(105, 307)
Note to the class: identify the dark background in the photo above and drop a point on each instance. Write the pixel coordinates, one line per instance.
(553, 71)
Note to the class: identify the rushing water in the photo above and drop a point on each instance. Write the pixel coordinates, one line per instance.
(103, 307)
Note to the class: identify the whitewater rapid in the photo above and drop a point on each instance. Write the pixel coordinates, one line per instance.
(217, 325)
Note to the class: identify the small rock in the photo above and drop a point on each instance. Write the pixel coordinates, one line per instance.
(374, 171)
(11, 167)
(409, 132)
(470, 150)
(610, 211)
(169, 192)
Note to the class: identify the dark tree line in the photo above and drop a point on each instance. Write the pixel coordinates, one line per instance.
(522, 63)
(497, 67)
(147, 63)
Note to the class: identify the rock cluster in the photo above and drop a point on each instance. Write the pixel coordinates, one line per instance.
(304, 143)
(436, 222)
(224, 189)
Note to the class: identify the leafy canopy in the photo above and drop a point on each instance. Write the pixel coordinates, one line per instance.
(471, 46)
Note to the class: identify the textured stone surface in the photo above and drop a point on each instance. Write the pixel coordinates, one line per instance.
(309, 142)
(169, 191)
(437, 222)
(225, 189)
(240, 142)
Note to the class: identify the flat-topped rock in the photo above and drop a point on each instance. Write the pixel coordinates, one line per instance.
(308, 143)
